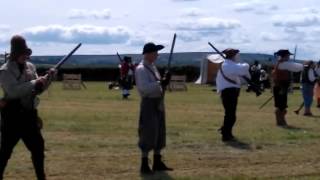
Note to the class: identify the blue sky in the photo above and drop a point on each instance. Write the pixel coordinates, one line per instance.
(105, 26)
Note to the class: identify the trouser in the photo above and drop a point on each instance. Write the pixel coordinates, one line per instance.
(280, 94)
(17, 124)
(229, 98)
(307, 93)
(152, 126)
(126, 85)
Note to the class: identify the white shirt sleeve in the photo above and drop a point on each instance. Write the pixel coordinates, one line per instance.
(241, 69)
(311, 75)
(291, 66)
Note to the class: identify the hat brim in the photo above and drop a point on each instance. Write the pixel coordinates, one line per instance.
(286, 54)
(156, 48)
(159, 47)
(27, 51)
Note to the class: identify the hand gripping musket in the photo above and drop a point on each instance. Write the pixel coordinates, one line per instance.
(49, 76)
(170, 59)
(62, 61)
(255, 87)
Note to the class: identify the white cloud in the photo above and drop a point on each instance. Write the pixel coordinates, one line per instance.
(192, 12)
(187, 36)
(78, 33)
(207, 24)
(244, 6)
(184, 0)
(268, 36)
(256, 6)
(4, 27)
(85, 13)
(288, 35)
(296, 20)
(307, 10)
(4, 31)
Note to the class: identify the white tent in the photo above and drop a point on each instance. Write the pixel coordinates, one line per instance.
(209, 68)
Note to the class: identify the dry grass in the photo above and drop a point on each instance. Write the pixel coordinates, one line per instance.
(92, 135)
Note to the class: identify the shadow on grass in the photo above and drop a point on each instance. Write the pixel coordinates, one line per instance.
(157, 176)
(239, 145)
(313, 116)
(293, 128)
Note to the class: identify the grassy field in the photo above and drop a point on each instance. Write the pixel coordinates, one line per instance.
(92, 135)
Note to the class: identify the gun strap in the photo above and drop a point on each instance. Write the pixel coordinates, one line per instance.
(225, 77)
(152, 72)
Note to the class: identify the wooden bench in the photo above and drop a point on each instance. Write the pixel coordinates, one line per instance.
(178, 83)
(72, 81)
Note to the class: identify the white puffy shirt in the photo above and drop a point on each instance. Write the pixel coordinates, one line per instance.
(234, 71)
(291, 66)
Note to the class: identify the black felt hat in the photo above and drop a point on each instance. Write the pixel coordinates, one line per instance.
(19, 46)
(151, 47)
(283, 52)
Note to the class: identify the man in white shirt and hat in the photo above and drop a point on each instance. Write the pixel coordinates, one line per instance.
(228, 85)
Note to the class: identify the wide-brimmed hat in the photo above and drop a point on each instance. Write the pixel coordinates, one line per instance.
(283, 52)
(19, 46)
(151, 47)
(230, 52)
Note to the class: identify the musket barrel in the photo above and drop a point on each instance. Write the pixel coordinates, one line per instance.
(64, 59)
(216, 50)
(171, 51)
(119, 57)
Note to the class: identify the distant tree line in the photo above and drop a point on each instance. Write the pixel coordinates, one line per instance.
(112, 73)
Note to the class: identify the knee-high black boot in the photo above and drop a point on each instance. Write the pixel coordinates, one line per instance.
(158, 165)
(145, 169)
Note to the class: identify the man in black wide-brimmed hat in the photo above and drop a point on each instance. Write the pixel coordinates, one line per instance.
(152, 127)
(281, 80)
(19, 118)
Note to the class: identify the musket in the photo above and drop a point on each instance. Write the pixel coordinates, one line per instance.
(298, 110)
(258, 93)
(220, 53)
(171, 51)
(63, 60)
(49, 76)
(265, 103)
(120, 59)
(170, 59)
